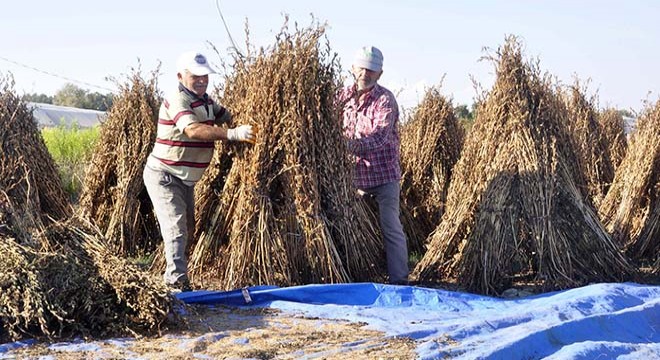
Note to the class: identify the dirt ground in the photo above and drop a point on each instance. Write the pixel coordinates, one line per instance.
(230, 333)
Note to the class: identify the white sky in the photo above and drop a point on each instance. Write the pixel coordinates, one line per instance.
(609, 42)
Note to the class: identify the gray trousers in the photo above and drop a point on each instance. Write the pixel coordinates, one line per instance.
(394, 239)
(174, 205)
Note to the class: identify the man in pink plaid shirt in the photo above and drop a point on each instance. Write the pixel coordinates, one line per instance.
(371, 117)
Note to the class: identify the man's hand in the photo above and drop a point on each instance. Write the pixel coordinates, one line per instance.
(242, 133)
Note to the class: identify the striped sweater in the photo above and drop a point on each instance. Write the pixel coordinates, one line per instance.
(174, 152)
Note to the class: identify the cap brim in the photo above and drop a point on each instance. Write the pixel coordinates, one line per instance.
(368, 65)
(201, 70)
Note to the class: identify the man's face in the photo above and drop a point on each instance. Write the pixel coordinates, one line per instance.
(195, 83)
(365, 78)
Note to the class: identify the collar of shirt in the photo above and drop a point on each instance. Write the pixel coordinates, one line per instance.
(204, 98)
(360, 100)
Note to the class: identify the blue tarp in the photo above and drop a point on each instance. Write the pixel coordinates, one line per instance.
(620, 320)
(599, 321)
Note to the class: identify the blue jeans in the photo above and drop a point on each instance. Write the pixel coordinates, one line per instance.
(174, 205)
(394, 239)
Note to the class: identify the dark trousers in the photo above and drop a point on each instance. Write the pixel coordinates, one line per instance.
(394, 239)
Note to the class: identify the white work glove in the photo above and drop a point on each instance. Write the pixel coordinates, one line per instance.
(241, 133)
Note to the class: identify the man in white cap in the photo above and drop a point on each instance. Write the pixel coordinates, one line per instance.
(370, 119)
(187, 129)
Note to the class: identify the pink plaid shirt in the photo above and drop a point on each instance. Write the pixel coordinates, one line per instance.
(371, 125)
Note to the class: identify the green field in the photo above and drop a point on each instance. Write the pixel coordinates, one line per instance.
(71, 148)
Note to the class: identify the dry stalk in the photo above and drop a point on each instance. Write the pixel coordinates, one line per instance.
(28, 173)
(286, 212)
(72, 285)
(631, 209)
(58, 279)
(431, 142)
(589, 142)
(515, 210)
(613, 129)
(114, 196)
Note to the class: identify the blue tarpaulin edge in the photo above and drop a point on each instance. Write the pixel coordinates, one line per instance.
(606, 320)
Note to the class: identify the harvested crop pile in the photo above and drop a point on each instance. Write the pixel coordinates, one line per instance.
(58, 278)
(287, 212)
(114, 196)
(514, 209)
(27, 171)
(614, 132)
(71, 284)
(590, 144)
(631, 209)
(431, 142)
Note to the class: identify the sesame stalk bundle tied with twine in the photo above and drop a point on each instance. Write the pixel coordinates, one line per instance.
(114, 197)
(431, 142)
(27, 171)
(613, 129)
(590, 144)
(514, 209)
(287, 212)
(631, 209)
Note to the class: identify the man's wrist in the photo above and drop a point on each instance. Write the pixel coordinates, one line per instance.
(231, 134)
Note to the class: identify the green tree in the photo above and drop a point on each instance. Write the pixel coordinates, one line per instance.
(462, 112)
(70, 95)
(474, 109)
(74, 96)
(38, 98)
(465, 115)
(98, 101)
(625, 112)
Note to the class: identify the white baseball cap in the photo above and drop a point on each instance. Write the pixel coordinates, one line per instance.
(194, 62)
(369, 57)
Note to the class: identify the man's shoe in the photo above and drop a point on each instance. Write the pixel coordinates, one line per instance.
(405, 283)
(180, 286)
(399, 282)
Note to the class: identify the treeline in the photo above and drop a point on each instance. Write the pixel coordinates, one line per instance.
(467, 113)
(74, 96)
